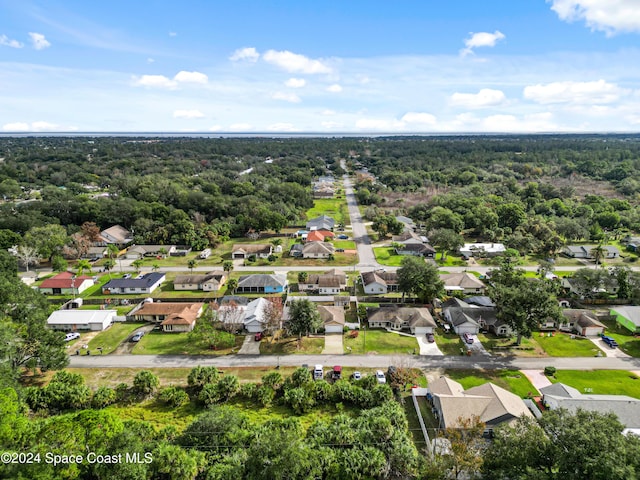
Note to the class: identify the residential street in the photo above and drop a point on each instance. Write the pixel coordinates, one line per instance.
(353, 360)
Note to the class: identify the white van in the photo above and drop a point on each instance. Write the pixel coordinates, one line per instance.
(318, 372)
(71, 336)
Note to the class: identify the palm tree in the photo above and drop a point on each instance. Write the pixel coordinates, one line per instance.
(302, 277)
(598, 253)
(83, 265)
(232, 284)
(163, 252)
(113, 251)
(227, 266)
(155, 267)
(137, 264)
(276, 241)
(108, 264)
(192, 264)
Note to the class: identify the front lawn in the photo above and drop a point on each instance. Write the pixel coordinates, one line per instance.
(113, 336)
(507, 345)
(449, 343)
(290, 345)
(562, 345)
(627, 341)
(603, 382)
(345, 244)
(162, 343)
(450, 261)
(380, 341)
(513, 380)
(387, 256)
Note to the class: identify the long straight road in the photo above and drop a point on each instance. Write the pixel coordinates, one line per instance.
(354, 360)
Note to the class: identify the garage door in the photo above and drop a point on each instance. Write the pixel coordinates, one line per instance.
(333, 329)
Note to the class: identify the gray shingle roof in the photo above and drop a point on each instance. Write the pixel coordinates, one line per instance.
(262, 280)
(146, 280)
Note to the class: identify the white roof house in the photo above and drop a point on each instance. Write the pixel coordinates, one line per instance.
(71, 320)
(487, 249)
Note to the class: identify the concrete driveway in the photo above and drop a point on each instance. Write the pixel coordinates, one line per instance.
(333, 344)
(476, 346)
(537, 378)
(427, 348)
(608, 351)
(249, 346)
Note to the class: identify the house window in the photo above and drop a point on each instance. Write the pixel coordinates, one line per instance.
(168, 328)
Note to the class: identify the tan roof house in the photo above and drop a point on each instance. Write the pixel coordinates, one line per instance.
(332, 318)
(117, 235)
(493, 405)
(208, 282)
(417, 320)
(317, 250)
(241, 251)
(173, 316)
(462, 282)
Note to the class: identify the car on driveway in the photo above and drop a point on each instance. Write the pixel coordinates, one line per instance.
(340, 250)
(430, 338)
(380, 378)
(258, 336)
(468, 338)
(342, 237)
(137, 337)
(609, 341)
(71, 336)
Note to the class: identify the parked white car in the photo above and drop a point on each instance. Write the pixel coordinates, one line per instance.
(380, 377)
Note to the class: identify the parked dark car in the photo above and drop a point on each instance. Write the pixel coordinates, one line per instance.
(430, 338)
(258, 336)
(340, 250)
(342, 237)
(609, 341)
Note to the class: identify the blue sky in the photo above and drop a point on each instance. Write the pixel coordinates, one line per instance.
(358, 66)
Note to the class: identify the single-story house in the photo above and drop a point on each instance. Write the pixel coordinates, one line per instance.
(262, 283)
(317, 250)
(328, 283)
(559, 395)
(465, 318)
(583, 322)
(319, 236)
(480, 301)
(247, 249)
(116, 235)
(141, 251)
(72, 320)
(332, 318)
(322, 222)
(416, 249)
(585, 251)
(628, 317)
(173, 316)
(609, 285)
(209, 282)
(379, 282)
(464, 282)
(469, 250)
(95, 253)
(254, 315)
(408, 223)
(493, 405)
(417, 320)
(146, 283)
(409, 236)
(65, 283)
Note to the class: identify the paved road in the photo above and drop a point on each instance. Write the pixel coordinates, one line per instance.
(365, 252)
(353, 360)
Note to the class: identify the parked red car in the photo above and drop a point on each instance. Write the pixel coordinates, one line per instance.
(258, 336)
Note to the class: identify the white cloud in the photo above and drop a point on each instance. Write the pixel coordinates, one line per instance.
(150, 60)
(154, 81)
(596, 92)
(419, 118)
(7, 42)
(295, 82)
(540, 122)
(160, 81)
(191, 77)
(481, 39)
(287, 97)
(328, 112)
(484, 98)
(335, 88)
(249, 54)
(173, 34)
(38, 41)
(294, 62)
(39, 126)
(331, 125)
(188, 114)
(610, 16)
(215, 128)
(281, 127)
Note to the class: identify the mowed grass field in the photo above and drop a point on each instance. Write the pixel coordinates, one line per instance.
(335, 208)
(380, 341)
(113, 336)
(387, 256)
(512, 380)
(602, 382)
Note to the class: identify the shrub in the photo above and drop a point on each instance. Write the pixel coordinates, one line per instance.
(174, 397)
(103, 397)
(145, 382)
(549, 371)
(248, 390)
(199, 376)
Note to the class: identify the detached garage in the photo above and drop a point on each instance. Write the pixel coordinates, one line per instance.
(72, 320)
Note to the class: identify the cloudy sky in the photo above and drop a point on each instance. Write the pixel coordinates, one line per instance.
(342, 66)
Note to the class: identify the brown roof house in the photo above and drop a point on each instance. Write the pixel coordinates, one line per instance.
(332, 318)
(330, 282)
(417, 320)
(462, 282)
(379, 282)
(174, 317)
(583, 322)
(243, 250)
(209, 282)
(493, 405)
(117, 235)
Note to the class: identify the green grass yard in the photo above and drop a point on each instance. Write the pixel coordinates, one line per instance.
(162, 343)
(113, 336)
(562, 345)
(380, 341)
(387, 256)
(507, 345)
(290, 345)
(335, 208)
(512, 380)
(449, 343)
(627, 342)
(603, 382)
